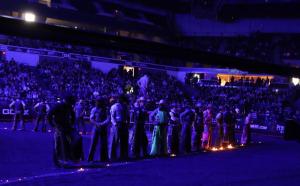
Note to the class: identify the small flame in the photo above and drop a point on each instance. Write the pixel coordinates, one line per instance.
(214, 149)
(173, 155)
(221, 148)
(230, 146)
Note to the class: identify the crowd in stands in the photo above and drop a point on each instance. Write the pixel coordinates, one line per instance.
(50, 78)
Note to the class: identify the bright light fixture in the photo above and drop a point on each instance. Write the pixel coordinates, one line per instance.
(295, 81)
(29, 17)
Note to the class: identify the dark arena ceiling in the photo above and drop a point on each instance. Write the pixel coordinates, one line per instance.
(153, 19)
(53, 33)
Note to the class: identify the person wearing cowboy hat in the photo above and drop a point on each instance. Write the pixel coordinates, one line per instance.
(246, 134)
(187, 118)
(100, 118)
(218, 130)
(227, 122)
(173, 130)
(41, 108)
(139, 137)
(159, 137)
(197, 128)
(118, 132)
(18, 106)
(207, 132)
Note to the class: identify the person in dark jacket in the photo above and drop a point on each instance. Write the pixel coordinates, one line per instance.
(227, 126)
(218, 130)
(231, 130)
(139, 137)
(173, 131)
(68, 143)
(41, 108)
(187, 118)
(198, 128)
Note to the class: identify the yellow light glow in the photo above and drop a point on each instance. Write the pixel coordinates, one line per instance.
(214, 149)
(29, 17)
(230, 146)
(173, 155)
(128, 68)
(227, 77)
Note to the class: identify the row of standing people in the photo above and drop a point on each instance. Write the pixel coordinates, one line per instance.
(41, 110)
(192, 129)
(173, 133)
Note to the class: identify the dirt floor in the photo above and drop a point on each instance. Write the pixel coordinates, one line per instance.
(26, 159)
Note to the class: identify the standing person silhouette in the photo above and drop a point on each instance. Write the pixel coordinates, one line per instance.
(68, 143)
(18, 106)
(100, 118)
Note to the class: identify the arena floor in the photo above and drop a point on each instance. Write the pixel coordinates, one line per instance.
(26, 159)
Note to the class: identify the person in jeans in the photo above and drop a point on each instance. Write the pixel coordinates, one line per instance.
(41, 108)
(187, 118)
(139, 137)
(118, 136)
(173, 131)
(19, 107)
(246, 135)
(99, 118)
(198, 128)
(207, 132)
(79, 116)
(68, 143)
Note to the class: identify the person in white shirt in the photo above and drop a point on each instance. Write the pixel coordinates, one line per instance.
(206, 135)
(118, 136)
